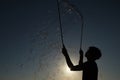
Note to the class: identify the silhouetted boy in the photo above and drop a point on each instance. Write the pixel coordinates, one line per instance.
(90, 69)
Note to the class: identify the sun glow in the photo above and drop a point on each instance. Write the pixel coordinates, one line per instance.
(67, 70)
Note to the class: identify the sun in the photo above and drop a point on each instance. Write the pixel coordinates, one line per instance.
(67, 70)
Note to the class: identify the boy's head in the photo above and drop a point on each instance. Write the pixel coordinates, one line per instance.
(93, 54)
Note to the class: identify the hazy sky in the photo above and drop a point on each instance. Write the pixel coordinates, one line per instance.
(30, 46)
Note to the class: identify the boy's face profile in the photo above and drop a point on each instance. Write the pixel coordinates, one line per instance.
(93, 54)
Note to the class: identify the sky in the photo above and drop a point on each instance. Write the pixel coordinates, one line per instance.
(30, 42)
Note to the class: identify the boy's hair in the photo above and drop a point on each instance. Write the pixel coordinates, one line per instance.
(93, 53)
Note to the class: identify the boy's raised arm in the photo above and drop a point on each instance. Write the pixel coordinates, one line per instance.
(65, 53)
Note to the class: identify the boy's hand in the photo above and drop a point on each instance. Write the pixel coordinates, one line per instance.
(64, 51)
(81, 52)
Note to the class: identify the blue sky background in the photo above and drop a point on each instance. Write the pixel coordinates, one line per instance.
(30, 46)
